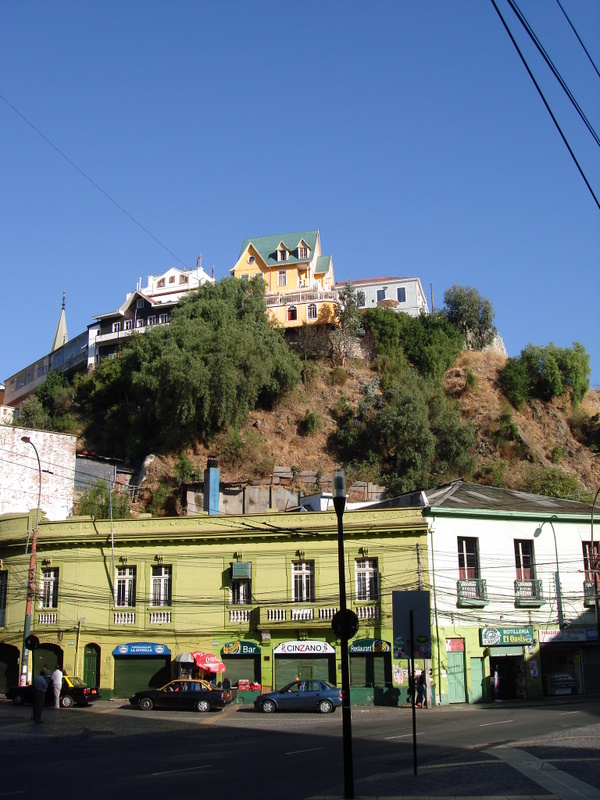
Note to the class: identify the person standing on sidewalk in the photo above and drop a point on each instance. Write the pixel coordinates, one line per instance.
(57, 679)
(40, 687)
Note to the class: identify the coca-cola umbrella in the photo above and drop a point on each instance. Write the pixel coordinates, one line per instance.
(208, 662)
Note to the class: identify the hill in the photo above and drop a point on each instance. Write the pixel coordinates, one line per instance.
(513, 448)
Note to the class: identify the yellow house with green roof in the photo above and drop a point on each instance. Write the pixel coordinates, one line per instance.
(122, 605)
(299, 281)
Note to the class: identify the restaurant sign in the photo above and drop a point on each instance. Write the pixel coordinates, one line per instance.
(369, 646)
(303, 648)
(498, 637)
(141, 649)
(240, 648)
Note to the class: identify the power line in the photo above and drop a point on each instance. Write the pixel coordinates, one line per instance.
(541, 94)
(94, 184)
(578, 38)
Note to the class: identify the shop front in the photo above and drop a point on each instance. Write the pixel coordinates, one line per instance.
(507, 670)
(242, 663)
(304, 660)
(140, 665)
(370, 663)
(569, 660)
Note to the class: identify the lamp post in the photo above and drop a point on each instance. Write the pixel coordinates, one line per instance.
(339, 503)
(594, 566)
(559, 608)
(31, 576)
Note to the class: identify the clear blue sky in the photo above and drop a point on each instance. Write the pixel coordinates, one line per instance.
(407, 132)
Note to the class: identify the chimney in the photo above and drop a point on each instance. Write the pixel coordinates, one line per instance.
(211, 487)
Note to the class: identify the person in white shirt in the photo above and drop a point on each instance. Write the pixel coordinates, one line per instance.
(57, 679)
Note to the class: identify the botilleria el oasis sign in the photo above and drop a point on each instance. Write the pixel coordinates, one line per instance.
(497, 637)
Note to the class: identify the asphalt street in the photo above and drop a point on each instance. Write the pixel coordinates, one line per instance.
(544, 750)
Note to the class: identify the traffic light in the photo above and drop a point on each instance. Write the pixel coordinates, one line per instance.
(32, 642)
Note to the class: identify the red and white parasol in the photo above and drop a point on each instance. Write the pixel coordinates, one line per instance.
(208, 662)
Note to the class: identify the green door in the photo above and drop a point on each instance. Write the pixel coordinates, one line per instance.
(456, 677)
(306, 668)
(241, 668)
(132, 674)
(91, 665)
(477, 689)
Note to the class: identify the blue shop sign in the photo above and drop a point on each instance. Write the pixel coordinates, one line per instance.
(141, 649)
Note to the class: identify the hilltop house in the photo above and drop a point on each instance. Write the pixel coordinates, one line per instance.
(299, 283)
(401, 294)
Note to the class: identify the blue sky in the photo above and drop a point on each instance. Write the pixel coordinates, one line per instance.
(407, 132)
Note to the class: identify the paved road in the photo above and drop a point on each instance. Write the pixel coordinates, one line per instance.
(543, 750)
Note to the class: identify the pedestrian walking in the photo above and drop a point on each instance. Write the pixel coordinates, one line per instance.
(40, 687)
(57, 679)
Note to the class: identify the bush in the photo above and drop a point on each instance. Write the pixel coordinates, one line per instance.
(310, 424)
(553, 482)
(98, 502)
(339, 376)
(184, 469)
(557, 453)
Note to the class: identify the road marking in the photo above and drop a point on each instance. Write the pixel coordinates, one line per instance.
(402, 736)
(539, 770)
(502, 722)
(564, 713)
(312, 750)
(175, 771)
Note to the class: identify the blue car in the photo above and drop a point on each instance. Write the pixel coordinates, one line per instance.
(309, 695)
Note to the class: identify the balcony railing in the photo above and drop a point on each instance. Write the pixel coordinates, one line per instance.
(284, 298)
(124, 618)
(472, 592)
(589, 593)
(368, 612)
(313, 616)
(159, 617)
(47, 618)
(240, 615)
(528, 593)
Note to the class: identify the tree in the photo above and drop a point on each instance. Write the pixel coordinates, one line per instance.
(100, 503)
(348, 316)
(471, 314)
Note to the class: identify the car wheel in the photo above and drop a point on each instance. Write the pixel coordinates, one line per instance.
(146, 704)
(66, 701)
(268, 707)
(18, 700)
(202, 705)
(325, 706)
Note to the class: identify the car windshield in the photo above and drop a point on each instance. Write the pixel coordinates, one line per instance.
(76, 681)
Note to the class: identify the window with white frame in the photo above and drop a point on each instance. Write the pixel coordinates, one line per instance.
(312, 311)
(282, 254)
(161, 283)
(468, 558)
(303, 581)
(151, 320)
(139, 303)
(367, 579)
(128, 324)
(163, 319)
(303, 252)
(282, 277)
(125, 586)
(524, 559)
(116, 327)
(380, 295)
(160, 585)
(139, 323)
(360, 299)
(292, 314)
(49, 588)
(240, 583)
(401, 294)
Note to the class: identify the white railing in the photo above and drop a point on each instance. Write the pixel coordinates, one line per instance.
(239, 615)
(160, 618)
(276, 615)
(368, 612)
(124, 618)
(302, 614)
(327, 613)
(47, 618)
(295, 297)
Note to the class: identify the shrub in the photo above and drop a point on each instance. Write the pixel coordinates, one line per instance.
(554, 482)
(184, 469)
(471, 379)
(339, 376)
(557, 453)
(98, 503)
(310, 424)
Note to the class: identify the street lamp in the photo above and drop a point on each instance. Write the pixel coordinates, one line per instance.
(339, 503)
(31, 576)
(561, 622)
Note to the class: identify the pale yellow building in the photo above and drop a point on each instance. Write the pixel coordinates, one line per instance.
(299, 282)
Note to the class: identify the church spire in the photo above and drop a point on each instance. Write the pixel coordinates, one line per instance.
(60, 337)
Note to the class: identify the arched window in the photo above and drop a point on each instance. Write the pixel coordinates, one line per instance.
(292, 314)
(312, 311)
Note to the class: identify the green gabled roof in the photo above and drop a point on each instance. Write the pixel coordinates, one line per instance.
(267, 246)
(323, 264)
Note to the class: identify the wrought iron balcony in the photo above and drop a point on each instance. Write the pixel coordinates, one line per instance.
(589, 593)
(472, 593)
(528, 593)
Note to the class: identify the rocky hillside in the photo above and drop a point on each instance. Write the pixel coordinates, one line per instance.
(510, 444)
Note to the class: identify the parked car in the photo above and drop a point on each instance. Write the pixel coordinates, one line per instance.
(184, 694)
(74, 692)
(309, 695)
